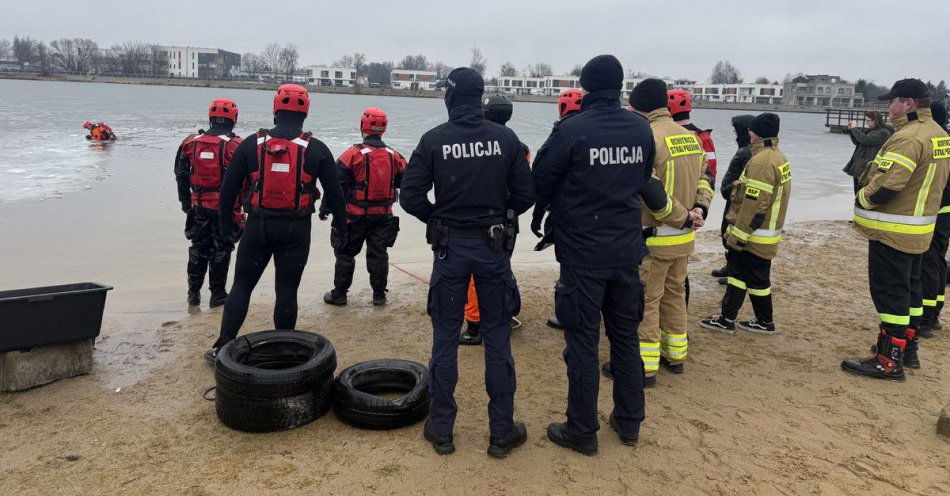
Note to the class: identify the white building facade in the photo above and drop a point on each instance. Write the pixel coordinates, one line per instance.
(402, 79)
(767, 94)
(204, 63)
(331, 76)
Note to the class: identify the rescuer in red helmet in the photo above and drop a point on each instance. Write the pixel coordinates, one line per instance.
(371, 173)
(200, 164)
(282, 165)
(98, 132)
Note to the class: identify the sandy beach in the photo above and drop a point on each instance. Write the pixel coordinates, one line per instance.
(752, 415)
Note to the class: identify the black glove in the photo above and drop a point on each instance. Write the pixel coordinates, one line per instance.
(537, 219)
(185, 207)
(230, 232)
(323, 215)
(337, 238)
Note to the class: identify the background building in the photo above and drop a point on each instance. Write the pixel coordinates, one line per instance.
(331, 76)
(768, 94)
(413, 80)
(821, 90)
(202, 63)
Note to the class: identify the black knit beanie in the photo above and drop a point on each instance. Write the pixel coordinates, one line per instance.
(649, 95)
(765, 125)
(602, 72)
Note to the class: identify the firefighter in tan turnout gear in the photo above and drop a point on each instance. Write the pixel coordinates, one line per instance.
(756, 215)
(896, 209)
(680, 164)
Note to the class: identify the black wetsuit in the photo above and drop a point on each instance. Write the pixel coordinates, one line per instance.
(285, 235)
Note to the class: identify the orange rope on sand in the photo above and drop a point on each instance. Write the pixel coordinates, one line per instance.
(410, 274)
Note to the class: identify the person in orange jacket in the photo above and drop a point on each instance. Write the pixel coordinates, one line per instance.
(98, 132)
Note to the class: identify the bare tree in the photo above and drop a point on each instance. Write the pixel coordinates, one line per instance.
(478, 61)
(379, 73)
(414, 63)
(508, 70)
(539, 70)
(271, 57)
(74, 54)
(762, 80)
(6, 48)
(441, 69)
(359, 63)
(287, 60)
(576, 71)
(789, 76)
(345, 62)
(251, 64)
(44, 59)
(24, 50)
(725, 73)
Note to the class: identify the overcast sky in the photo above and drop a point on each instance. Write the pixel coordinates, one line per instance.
(883, 41)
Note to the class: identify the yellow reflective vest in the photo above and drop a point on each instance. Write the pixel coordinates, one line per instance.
(759, 201)
(680, 164)
(914, 163)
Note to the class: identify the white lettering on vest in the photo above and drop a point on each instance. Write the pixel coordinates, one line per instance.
(617, 155)
(471, 150)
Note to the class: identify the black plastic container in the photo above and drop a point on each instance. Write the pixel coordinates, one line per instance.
(50, 315)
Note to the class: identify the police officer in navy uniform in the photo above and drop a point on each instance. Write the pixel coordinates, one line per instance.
(593, 171)
(481, 178)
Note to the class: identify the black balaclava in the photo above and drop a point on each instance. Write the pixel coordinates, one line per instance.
(288, 123)
(498, 108)
(220, 125)
(463, 92)
(741, 123)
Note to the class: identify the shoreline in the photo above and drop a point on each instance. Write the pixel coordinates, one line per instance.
(356, 90)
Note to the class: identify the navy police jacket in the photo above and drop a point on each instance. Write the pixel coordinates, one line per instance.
(478, 169)
(592, 171)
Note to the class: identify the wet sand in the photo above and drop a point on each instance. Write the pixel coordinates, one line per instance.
(752, 415)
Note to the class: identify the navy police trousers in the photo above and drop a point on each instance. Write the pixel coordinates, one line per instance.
(498, 301)
(582, 296)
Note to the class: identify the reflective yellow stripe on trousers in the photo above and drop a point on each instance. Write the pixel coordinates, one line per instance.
(669, 236)
(650, 353)
(674, 345)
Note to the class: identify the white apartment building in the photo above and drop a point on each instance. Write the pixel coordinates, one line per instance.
(197, 62)
(331, 76)
(402, 79)
(769, 94)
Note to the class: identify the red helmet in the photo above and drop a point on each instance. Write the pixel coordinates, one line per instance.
(679, 101)
(223, 107)
(374, 121)
(569, 101)
(292, 97)
(87, 125)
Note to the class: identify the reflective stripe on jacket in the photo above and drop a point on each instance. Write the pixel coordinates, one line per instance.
(759, 201)
(903, 185)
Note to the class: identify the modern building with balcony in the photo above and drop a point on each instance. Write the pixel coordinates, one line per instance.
(202, 63)
(403, 79)
(319, 75)
(821, 90)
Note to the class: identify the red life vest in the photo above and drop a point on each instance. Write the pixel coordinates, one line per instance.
(208, 157)
(280, 181)
(705, 139)
(377, 186)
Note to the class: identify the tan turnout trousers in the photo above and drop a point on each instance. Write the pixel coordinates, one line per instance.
(663, 329)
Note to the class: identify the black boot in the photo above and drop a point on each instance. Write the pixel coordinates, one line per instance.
(500, 447)
(218, 298)
(553, 323)
(648, 381)
(334, 297)
(887, 362)
(471, 335)
(379, 298)
(561, 436)
(911, 360)
(674, 367)
(442, 445)
(925, 332)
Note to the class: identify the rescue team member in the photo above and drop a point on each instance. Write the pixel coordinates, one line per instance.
(200, 165)
(282, 165)
(497, 109)
(480, 175)
(896, 209)
(759, 203)
(592, 170)
(370, 175)
(680, 164)
(680, 104)
(568, 104)
(933, 269)
(99, 131)
(740, 126)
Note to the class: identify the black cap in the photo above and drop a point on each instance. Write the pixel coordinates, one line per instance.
(939, 112)
(498, 108)
(765, 125)
(602, 72)
(906, 88)
(648, 95)
(465, 82)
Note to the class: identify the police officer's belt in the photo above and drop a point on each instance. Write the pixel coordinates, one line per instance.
(467, 233)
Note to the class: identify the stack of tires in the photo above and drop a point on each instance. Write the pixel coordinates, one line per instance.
(274, 380)
(277, 380)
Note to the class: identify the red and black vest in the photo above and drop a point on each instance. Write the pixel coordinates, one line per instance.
(208, 157)
(374, 182)
(281, 181)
